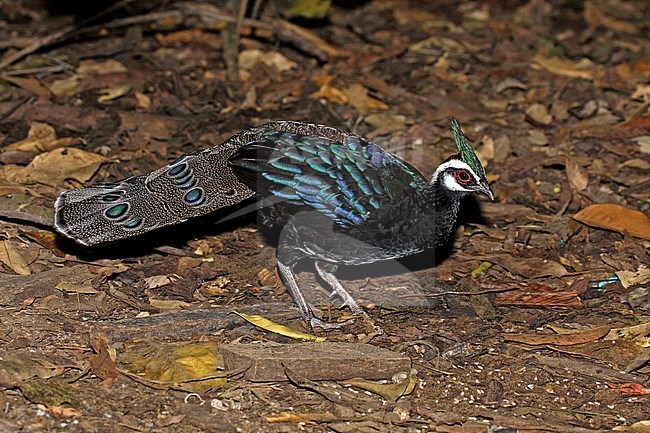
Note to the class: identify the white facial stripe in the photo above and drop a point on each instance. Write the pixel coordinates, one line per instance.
(452, 185)
(458, 164)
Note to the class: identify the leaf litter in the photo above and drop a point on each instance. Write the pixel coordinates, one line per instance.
(558, 107)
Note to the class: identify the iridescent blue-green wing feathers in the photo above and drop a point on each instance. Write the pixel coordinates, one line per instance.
(345, 180)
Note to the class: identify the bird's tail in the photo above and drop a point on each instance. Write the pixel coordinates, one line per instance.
(193, 185)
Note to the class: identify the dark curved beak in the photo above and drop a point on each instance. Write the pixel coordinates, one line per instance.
(484, 188)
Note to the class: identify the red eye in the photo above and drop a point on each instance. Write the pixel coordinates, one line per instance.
(462, 177)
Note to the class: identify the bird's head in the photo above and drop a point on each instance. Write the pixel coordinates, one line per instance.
(463, 172)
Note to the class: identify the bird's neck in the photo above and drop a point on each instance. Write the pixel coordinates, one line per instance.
(445, 203)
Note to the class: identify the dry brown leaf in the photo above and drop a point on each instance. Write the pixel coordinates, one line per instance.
(595, 17)
(17, 367)
(10, 256)
(532, 267)
(501, 147)
(144, 101)
(637, 427)
(637, 72)
(72, 85)
(216, 287)
(411, 16)
(630, 389)
(41, 138)
(485, 151)
(538, 114)
(249, 58)
(577, 175)
(110, 66)
(77, 283)
(616, 217)
(583, 68)
(167, 420)
(389, 391)
(358, 97)
(168, 304)
(156, 126)
(156, 281)
(44, 238)
(30, 84)
(332, 94)
(102, 362)
(640, 334)
(568, 339)
(633, 278)
(59, 165)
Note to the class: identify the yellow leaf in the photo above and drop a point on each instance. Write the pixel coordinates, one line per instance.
(189, 365)
(269, 325)
(304, 8)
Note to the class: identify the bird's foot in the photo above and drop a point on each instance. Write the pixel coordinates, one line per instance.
(358, 310)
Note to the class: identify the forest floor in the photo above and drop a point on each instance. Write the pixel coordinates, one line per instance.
(536, 317)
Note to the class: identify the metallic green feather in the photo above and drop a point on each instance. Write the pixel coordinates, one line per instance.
(467, 154)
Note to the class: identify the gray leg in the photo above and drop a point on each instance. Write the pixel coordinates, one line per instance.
(305, 310)
(338, 289)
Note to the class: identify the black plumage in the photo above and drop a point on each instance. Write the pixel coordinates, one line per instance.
(339, 199)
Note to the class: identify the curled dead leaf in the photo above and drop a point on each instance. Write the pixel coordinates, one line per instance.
(41, 138)
(577, 175)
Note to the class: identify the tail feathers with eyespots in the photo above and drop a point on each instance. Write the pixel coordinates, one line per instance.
(191, 186)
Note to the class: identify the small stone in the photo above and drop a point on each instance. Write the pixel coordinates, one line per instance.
(537, 137)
